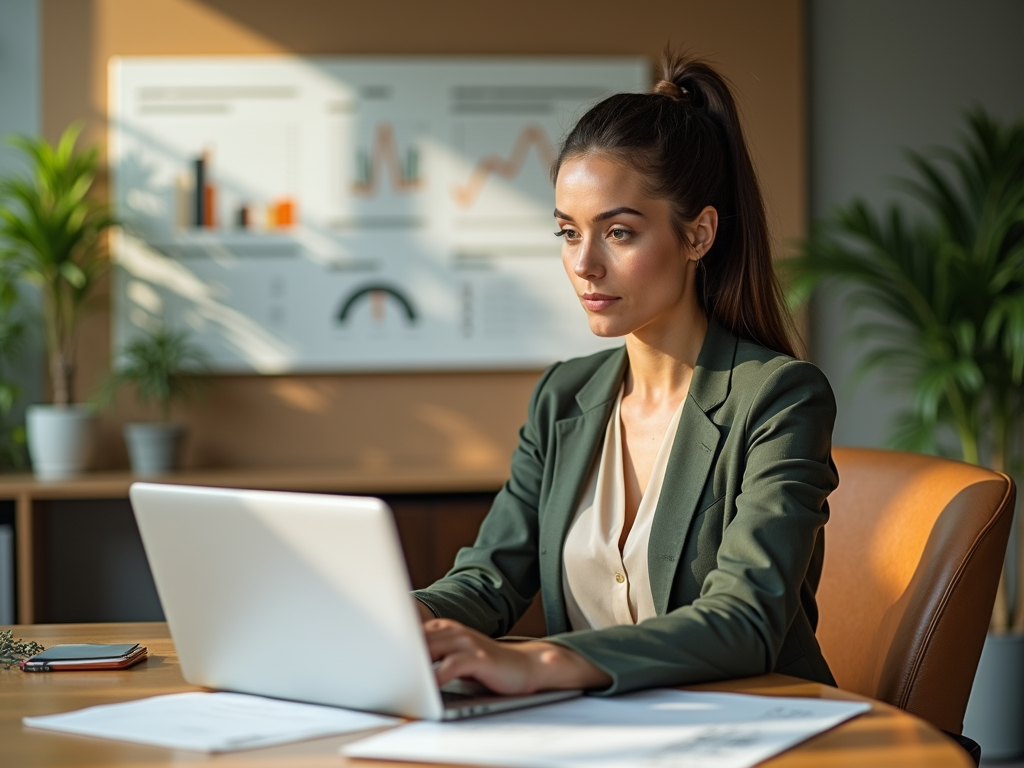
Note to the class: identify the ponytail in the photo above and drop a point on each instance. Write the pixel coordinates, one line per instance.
(684, 138)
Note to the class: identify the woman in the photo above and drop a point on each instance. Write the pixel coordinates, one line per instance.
(667, 498)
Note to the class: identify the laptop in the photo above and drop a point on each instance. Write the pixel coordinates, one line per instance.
(297, 596)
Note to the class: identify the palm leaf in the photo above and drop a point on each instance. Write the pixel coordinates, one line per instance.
(938, 300)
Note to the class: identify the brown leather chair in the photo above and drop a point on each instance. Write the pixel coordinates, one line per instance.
(913, 552)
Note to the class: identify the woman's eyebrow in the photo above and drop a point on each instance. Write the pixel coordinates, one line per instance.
(616, 212)
(601, 216)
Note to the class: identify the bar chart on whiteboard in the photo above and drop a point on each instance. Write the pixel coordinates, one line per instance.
(347, 214)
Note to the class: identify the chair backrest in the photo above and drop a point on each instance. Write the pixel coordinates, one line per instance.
(913, 552)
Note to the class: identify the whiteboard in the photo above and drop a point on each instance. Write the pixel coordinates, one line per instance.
(349, 214)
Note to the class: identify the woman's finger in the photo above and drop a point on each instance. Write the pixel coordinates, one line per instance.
(459, 665)
(497, 676)
(446, 637)
(466, 653)
(503, 671)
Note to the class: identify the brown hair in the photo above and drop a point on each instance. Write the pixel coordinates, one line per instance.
(684, 137)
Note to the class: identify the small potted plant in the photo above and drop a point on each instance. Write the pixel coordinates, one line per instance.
(51, 234)
(161, 367)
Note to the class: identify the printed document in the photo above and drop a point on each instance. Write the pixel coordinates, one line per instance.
(210, 722)
(658, 728)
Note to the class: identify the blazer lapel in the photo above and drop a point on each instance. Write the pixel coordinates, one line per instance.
(577, 441)
(690, 462)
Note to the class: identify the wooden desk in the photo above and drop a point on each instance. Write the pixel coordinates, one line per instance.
(884, 737)
(28, 492)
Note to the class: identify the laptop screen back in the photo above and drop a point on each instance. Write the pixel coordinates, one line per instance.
(292, 595)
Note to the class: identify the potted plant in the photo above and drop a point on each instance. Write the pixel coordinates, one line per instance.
(946, 298)
(51, 234)
(161, 367)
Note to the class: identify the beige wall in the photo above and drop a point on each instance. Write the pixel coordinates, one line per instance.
(464, 419)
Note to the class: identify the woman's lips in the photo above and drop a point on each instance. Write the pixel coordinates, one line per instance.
(595, 302)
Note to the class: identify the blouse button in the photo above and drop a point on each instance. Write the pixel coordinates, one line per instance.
(619, 578)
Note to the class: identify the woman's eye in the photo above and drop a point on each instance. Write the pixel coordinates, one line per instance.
(619, 234)
(568, 234)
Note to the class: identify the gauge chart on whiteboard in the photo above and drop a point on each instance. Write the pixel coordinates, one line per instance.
(347, 214)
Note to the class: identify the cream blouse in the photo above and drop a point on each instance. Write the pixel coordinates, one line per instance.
(604, 587)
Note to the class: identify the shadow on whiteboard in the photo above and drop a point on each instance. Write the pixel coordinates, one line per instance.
(264, 352)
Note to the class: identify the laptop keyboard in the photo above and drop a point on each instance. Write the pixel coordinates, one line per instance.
(450, 697)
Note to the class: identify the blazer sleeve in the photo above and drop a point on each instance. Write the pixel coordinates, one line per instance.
(736, 627)
(493, 582)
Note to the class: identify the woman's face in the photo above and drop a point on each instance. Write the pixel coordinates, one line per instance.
(630, 270)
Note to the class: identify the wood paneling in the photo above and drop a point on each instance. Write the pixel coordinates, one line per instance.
(454, 420)
(433, 528)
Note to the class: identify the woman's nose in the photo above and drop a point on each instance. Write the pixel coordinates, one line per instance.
(588, 263)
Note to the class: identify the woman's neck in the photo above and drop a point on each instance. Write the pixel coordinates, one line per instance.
(662, 359)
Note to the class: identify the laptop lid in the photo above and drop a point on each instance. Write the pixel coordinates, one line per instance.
(292, 595)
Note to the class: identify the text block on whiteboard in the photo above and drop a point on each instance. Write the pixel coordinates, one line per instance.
(349, 214)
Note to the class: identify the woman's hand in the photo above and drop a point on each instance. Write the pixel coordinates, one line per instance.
(507, 668)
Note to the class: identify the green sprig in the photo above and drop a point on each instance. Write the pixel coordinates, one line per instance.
(12, 651)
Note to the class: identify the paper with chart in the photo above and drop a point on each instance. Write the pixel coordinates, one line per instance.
(209, 722)
(656, 729)
(336, 214)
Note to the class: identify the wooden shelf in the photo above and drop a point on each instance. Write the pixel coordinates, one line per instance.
(27, 492)
(98, 485)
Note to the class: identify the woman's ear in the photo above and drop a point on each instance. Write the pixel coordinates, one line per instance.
(703, 230)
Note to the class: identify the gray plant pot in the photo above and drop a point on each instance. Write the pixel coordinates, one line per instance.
(995, 711)
(60, 439)
(153, 447)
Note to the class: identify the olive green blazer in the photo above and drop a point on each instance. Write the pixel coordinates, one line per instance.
(737, 541)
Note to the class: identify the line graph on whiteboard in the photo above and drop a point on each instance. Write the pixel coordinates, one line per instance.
(533, 136)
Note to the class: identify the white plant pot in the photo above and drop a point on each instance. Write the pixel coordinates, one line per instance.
(60, 439)
(995, 711)
(153, 447)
